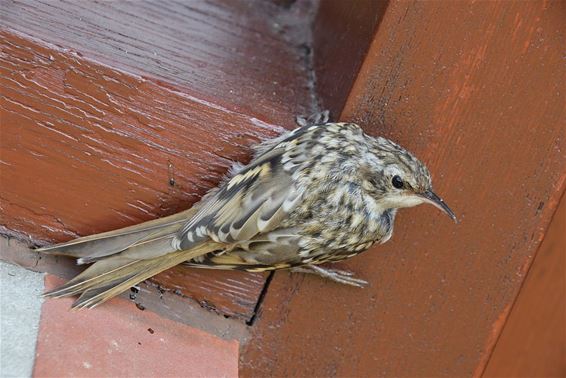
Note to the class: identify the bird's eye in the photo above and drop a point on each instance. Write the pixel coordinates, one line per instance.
(397, 182)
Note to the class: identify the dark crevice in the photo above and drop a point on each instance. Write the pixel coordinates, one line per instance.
(295, 22)
(308, 57)
(257, 307)
(311, 80)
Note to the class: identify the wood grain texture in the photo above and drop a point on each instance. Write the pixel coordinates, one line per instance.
(114, 113)
(247, 56)
(475, 90)
(341, 37)
(87, 149)
(533, 341)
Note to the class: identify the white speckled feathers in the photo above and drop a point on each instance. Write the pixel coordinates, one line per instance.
(251, 202)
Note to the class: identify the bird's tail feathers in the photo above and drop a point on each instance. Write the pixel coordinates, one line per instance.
(94, 247)
(123, 258)
(113, 275)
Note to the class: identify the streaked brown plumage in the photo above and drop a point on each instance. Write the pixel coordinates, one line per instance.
(323, 192)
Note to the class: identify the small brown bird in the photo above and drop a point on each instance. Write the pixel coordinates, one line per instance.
(321, 193)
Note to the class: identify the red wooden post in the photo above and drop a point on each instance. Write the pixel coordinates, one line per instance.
(475, 90)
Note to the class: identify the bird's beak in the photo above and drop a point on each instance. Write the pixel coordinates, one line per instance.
(430, 197)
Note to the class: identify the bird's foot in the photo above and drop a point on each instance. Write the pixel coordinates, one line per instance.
(314, 119)
(336, 275)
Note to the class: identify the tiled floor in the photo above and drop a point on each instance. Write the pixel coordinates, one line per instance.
(115, 339)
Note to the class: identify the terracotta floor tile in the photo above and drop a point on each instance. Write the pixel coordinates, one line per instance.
(117, 339)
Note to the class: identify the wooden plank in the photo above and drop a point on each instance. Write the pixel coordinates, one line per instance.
(88, 149)
(533, 341)
(244, 55)
(82, 154)
(475, 90)
(114, 113)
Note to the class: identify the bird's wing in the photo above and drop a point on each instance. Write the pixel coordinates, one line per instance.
(276, 249)
(256, 199)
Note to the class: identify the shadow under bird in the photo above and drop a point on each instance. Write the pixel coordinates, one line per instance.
(321, 193)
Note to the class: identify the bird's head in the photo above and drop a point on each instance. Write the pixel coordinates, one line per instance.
(400, 180)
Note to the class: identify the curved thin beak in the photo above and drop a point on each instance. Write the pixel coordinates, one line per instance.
(430, 197)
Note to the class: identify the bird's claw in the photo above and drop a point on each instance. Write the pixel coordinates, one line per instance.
(341, 276)
(340, 272)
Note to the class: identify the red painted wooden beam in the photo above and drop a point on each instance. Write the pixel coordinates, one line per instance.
(114, 113)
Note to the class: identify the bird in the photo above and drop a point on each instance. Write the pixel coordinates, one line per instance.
(321, 193)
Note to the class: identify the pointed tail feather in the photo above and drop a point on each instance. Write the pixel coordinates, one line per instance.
(111, 276)
(94, 247)
(106, 268)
